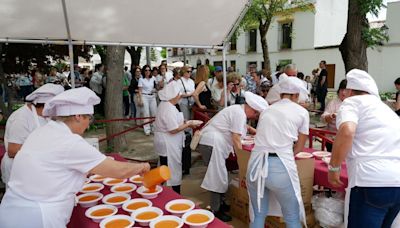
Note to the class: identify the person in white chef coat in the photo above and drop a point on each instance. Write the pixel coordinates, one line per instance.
(23, 121)
(169, 133)
(52, 165)
(272, 178)
(220, 138)
(368, 138)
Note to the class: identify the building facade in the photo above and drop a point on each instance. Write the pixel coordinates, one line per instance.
(306, 38)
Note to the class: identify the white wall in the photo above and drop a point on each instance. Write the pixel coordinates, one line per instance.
(330, 22)
(392, 21)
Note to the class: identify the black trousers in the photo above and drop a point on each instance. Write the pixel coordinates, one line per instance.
(125, 100)
(187, 154)
(164, 161)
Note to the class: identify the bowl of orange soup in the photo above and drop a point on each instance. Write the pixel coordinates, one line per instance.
(134, 204)
(179, 207)
(123, 188)
(137, 179)
(116, 199)
(100, 212)
(92, 187)
(117, 221)
(89, 199)
(167, 221)
(145, 215)
(149, 193)
(113, 181)
(198, 218)
(97, 178)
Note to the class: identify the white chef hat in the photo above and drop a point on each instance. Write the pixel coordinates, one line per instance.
(44, 93)
(72, 102)
(292, 85)
(171, 90)
(361, 80)
(255, 101)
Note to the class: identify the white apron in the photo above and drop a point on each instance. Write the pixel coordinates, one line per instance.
(6, 163)
(34, 214)
(172, 144)
(216, 178)
(257, 172)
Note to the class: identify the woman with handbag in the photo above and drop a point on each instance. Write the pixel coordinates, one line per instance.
(221, 136)
(187, 88)
(147, 96)
(168, 133)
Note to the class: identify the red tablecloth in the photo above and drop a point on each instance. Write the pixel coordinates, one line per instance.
(78, 218)
(320, 172)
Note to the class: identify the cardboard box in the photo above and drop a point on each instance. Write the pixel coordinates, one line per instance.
(239, 204)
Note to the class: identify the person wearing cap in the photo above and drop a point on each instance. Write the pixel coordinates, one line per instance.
(221, 137)
(169, 133)
(272, 177)
(368, 138)
(273, 95)
(24, 121)
(53, 164)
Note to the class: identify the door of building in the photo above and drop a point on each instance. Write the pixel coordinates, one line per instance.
(331, 75)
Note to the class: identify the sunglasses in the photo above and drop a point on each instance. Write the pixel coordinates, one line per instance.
(188, 71)
(91, 118)
(237, 84)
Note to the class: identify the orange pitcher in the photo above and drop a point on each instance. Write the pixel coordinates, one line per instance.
(156, 176)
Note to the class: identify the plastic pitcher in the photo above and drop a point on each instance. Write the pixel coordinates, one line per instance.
(156, 176)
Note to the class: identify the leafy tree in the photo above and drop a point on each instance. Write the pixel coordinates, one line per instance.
(153, 55)
(163, 53)
(135, 53)
(359, 35)
(260, 15)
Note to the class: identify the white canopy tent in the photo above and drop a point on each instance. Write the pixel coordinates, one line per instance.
(198, 24)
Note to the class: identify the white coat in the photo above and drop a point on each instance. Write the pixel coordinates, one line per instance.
(23, 122)
(50, 169)
(218, 135)
(167, 144)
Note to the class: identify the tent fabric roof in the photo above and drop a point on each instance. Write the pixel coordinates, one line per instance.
(153, 22)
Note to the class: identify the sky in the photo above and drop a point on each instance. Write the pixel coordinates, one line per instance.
(382, 13)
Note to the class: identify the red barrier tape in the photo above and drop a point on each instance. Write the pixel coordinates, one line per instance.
(125, 131)
(125, 119)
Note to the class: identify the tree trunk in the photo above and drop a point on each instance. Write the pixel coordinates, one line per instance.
(113, 101)
(353, 48)
(135, 53)
(264, 44)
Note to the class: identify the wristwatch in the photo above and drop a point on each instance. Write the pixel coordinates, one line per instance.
(334, 169)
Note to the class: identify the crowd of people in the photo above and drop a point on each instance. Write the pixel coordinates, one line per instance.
(47, 160)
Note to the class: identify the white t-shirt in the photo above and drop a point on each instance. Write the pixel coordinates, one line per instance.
(96, 82)
(189, 85)
(374, 159)
(52, 164)
(279, 126)
(147, 85)
(229, 120)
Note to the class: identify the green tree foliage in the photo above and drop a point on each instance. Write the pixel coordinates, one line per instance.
(153, 55)
(163, 53)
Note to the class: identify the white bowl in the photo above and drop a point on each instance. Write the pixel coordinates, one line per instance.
(114, 217)
(111, 157)
(195, 122)
(89, 203)
(198, 211)
(167, 218)
(142, 191)
(137, 200)
(132, 179)
(113, 181)
(145, 222)
(89, 212)
(119, 203)
(87, 181)
(321, 154)
(304, 155)
(327, 160)
(96, 187)
(247, 141)
(97, 178)
(131, 186)
(176, 212)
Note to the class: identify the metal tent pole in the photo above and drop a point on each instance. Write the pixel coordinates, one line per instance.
(70, 47)
(224, 73)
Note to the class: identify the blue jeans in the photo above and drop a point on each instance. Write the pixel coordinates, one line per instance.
(278, 182)
(373, 207)
(133, 107)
